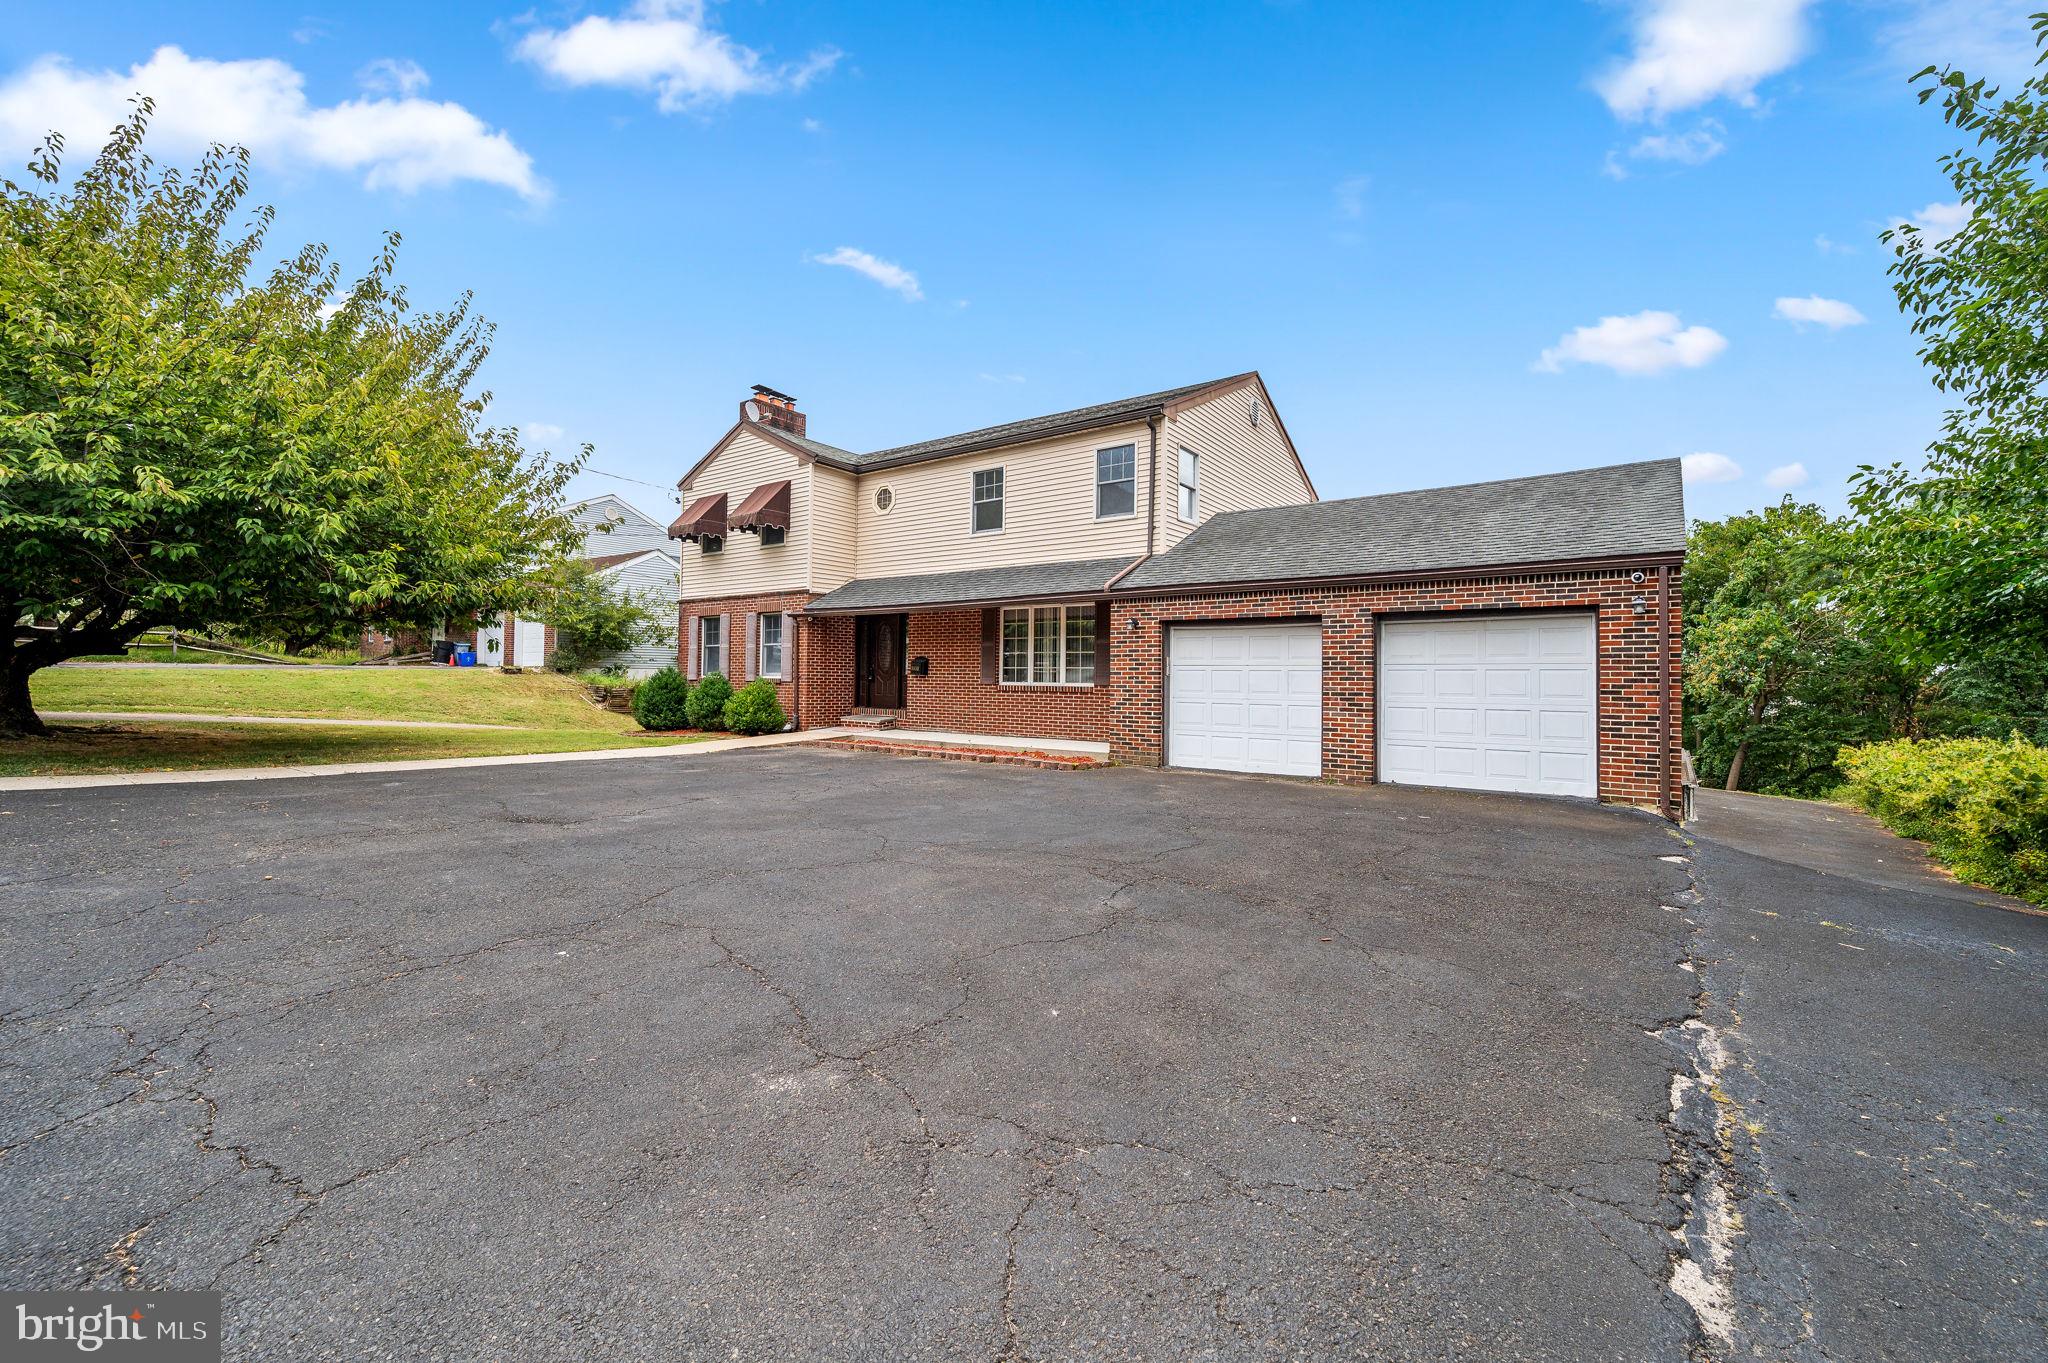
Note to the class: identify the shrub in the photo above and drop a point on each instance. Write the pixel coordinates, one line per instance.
(662, 701)
(707, 701)
(755, 709)
(1981, 803)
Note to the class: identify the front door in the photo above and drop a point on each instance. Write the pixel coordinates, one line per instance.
(878, 662)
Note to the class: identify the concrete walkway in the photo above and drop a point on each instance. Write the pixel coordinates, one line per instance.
(181, 717)
(9, 785)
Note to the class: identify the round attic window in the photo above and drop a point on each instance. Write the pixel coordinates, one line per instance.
(884, 499)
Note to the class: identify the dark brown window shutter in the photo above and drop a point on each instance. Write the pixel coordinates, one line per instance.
(1102, 643)
(991, 645)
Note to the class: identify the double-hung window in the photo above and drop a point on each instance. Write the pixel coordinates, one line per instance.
(988, 500)
(1190, 469)
(1116, 481)
(1049, 646)
(710, 644)
(770, 650)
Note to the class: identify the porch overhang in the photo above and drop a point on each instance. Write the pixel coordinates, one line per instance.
(1075, 580)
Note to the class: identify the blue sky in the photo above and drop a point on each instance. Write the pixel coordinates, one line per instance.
(921, 218)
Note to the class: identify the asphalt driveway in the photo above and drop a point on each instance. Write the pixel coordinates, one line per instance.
(795, 1053)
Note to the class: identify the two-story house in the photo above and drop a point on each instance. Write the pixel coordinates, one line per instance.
(1157, 574)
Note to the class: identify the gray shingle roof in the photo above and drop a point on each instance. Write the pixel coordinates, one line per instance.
(1026, 581)
(1593, 513)
(1014, 432)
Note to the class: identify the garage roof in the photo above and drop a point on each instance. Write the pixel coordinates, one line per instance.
(1620, 511)
(1074, 580)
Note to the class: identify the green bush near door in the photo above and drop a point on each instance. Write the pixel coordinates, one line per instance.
(1980, 803)
(755, 709)
(707, 701)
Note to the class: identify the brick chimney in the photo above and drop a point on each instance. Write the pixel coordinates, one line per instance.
(771, 408)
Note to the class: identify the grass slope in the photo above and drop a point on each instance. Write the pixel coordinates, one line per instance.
(551, 715)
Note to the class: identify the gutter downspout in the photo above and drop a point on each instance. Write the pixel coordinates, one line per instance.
(1664, 690)
(1152, 478)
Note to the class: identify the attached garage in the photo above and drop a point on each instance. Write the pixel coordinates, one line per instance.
(1507, 703)
(1246, 698)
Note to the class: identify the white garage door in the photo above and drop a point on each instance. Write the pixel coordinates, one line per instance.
(529, 642)
(1490, 704)
(1246, 698)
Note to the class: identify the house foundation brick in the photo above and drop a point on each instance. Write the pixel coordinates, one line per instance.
(1632, 768)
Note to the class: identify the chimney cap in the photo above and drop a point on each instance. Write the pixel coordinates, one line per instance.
(782, 399)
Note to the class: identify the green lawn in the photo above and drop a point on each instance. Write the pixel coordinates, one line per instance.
(550, 712)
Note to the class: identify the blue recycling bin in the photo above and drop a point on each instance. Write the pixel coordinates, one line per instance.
(465, 657)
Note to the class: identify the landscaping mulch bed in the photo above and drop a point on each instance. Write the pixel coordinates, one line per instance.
(1008, 757)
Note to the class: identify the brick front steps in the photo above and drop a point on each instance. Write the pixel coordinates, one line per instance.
(1008, 757)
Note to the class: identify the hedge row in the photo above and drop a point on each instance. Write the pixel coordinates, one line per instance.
(666, 701)
(1981, 803)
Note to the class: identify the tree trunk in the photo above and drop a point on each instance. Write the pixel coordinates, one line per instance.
(17, 712)
(1735, 766)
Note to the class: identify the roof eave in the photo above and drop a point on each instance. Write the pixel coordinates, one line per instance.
(1654, 558)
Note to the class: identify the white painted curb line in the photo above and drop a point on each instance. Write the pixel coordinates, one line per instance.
(11, 784)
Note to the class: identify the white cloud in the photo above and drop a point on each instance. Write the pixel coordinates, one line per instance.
(1710, 468)
(1785, 477)
(1831, 313)
(1350, 196)
(1695, 147)
(1988, 38)
(541, 430)
(1687, 52)
(1645, 343)
(1937, 222)
(887, 273)
(1001, 378)
(812, 125)
(403, 143)
(667, 48)
(393, 76)
(1828, 246)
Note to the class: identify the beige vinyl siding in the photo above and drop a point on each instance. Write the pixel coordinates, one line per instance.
(1048, 509)
(835, 515)
(746, 566)
(1242, 466)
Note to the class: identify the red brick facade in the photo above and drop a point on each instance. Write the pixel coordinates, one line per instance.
(742, 643)
(952, 694)
(1637, 739)
(1628, 662)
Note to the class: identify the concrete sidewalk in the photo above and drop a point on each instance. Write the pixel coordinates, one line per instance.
(9, 785)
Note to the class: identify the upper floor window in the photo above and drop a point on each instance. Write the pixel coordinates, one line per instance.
(710, 644)
(770, 650)
(711, 544)
(1190, 471)
(772, 535)
(988, 500)
(1116, 481)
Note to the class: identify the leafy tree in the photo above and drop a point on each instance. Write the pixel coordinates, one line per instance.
(184, 440)
(661, 702)
(1777, 677)
(593, 620)
(707, 701)
(1957, 555)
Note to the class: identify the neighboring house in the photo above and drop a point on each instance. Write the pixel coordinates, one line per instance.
(1157, 574)
(633, 553)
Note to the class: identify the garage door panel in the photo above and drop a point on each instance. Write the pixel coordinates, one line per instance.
(1246, 698)
(1504, 704)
